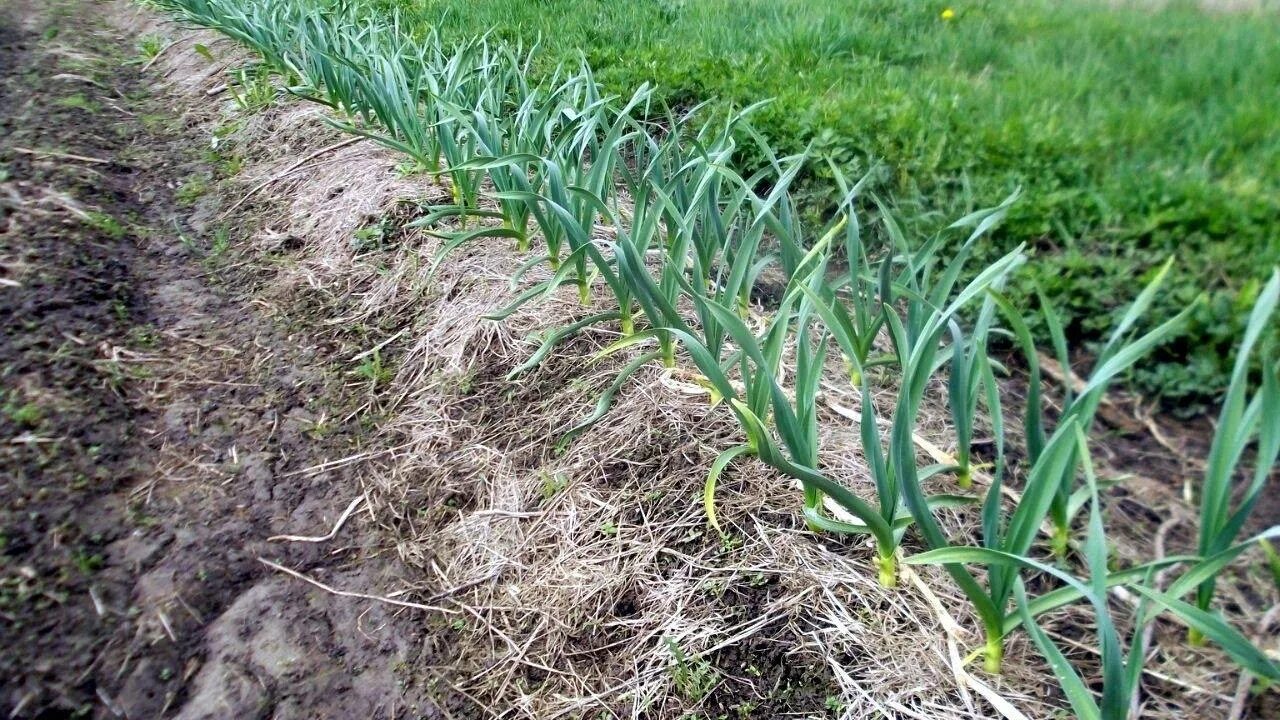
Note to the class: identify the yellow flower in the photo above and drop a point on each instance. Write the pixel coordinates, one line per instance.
(948, 14)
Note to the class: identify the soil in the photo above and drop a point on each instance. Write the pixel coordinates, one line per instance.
(156, 428)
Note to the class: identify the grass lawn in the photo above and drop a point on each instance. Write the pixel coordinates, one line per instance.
(1134, 133)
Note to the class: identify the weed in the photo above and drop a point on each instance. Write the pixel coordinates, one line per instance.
(1273, 562)
(219, 244)
(155, 122)
(694, 678)
(230, 165)
(78, 101)
(191, 190)
(730, 542)
(372, 369)
(87, 563)
(28, 415)
(466, 383)
(187, 242)
(149, 46)
(225, 130)
(252, 89)
(370, 237)
(411, 167)
(552, 484)
(321, 428)
(106, 224)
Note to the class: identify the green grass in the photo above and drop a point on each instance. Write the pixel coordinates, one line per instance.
(1134, 133)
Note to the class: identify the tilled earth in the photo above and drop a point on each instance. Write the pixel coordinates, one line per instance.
(157, 428)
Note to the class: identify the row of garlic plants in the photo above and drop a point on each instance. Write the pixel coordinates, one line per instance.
(653, 215)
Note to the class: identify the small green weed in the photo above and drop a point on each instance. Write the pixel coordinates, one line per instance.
(372, 369)
(143, 336)
(370, 238)
(219, 244)
(321, 428)
(150, 46)
(1273, 562)
(106, 224)
(230, 165)
(408, 168)
(252, 89)
(552, 484)
(28, 415)
(87, 563)
(78, 101)
(694, 678)
(191, 190)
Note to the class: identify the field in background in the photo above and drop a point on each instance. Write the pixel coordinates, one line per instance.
(1134, 133)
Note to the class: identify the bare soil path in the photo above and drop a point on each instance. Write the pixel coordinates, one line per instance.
(156, 427)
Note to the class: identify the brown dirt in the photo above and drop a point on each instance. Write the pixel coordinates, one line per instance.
(157, 427)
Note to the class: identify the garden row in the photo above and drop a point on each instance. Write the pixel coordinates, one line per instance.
(1138, 130)
(655, 218)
